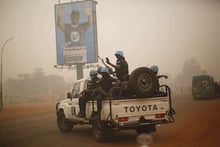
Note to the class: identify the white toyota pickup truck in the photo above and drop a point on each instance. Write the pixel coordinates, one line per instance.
(145, 107)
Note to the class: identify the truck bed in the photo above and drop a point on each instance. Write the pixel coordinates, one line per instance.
(127, 112)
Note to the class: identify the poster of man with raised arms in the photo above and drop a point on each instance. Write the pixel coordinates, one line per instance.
(76, 33)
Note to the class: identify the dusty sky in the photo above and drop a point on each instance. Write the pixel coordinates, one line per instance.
(161, 32)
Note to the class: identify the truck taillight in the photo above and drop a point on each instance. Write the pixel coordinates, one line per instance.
(122, 119)
(160, 115)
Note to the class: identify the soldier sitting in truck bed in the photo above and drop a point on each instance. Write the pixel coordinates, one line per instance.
(105, 84)
(155, 69)
(86, 95)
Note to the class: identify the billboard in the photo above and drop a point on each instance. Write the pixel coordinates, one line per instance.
(76, 33)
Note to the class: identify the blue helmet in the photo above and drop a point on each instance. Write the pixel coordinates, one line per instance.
(92, 72)
(105, 70)
(118, 52)
(154, 68)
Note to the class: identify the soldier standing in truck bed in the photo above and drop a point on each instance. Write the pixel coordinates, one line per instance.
(121, 67)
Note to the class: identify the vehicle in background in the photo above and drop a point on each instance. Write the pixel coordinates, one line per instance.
(203, 86)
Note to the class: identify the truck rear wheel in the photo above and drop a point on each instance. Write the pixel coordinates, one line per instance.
(101, 131)
(62, 123)
(143, 82)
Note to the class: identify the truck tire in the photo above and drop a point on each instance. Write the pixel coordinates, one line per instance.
(143, 82)
(101, 131)
(62, 123)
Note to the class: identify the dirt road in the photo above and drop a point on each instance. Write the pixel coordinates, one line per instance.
(197, 123)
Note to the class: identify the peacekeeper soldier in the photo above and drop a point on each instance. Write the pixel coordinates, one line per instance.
(86, 95)
(121, 67)
(105, 84)
(155, 69)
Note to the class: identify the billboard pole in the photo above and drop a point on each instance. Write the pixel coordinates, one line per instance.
(79, 71)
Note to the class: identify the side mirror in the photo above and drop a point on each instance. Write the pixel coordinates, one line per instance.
(69, 95)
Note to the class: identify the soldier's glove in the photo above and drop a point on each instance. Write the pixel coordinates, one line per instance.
(107, 60)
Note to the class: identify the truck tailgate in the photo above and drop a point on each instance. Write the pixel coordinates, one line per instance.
(131, 107)
(133, 110)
